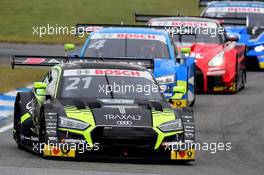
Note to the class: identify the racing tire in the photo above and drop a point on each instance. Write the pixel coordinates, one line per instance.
(21, 101)
(17, 121)
(235, 86)
(243, 81)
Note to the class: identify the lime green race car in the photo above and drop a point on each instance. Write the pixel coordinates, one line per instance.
(84, 110)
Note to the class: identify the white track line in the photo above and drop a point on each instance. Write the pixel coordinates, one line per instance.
(6, 127)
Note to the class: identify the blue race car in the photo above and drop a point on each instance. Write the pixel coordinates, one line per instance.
(148, 47)
(251, 33)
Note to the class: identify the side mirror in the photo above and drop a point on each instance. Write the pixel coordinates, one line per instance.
(179, 89)
(40, 88)
(186, 51)
(68, 47)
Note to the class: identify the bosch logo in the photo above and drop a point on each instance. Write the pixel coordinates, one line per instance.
(124, 123)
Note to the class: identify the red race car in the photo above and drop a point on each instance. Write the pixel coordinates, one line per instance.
(220, 61)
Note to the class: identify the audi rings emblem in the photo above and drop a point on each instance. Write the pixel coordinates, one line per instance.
(128, 123)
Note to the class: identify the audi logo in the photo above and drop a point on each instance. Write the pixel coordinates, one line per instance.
(124, 123)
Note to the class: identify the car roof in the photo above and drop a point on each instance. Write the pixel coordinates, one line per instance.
(137, 30)
(185, 18)
(236, 4)
(101, 65)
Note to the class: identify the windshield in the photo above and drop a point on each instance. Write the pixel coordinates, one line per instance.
(255, 15)
(108, 84)
(199, 35)
(197, 38)
(127, 45)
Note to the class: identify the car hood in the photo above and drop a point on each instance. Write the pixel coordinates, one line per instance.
(122, 115)
(132, 113)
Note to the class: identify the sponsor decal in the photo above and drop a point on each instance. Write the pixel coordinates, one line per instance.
(126, 123)
(55, 151)
(195, 24)
(114, 72)
(183, 155)
(31, 106)
(34, 60)
(122, 109)
(129, 36)
(178, 103)
(235, 10)
(122, 117)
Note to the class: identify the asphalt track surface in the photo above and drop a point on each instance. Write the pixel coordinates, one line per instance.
(237, 119)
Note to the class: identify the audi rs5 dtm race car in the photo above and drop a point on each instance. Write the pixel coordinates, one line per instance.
(75, 111)
(147, 47)
(250, 32)
(220, 62)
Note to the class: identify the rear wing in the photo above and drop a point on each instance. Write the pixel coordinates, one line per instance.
(89, 28)
(230, 21)
(172, 30)
(31, 60)
(204, 3)
(223, 20)
(146, 17)
(36, 60)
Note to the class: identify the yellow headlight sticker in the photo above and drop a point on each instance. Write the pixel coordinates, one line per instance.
(179, 103)
(261, 65)
(57, 152)
(183, 155)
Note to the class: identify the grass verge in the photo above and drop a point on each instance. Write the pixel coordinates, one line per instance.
(19, 17)
(12, 79)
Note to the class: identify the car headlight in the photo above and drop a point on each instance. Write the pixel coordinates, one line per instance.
(217, 60)
(166, 79)
(66, 122)
(175, 125)
(259, 48)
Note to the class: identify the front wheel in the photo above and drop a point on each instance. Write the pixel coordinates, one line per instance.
(17, 123)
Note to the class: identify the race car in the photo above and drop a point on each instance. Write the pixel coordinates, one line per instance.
(77, 112)
(220, 62)
(147, 47)
(250, 33)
